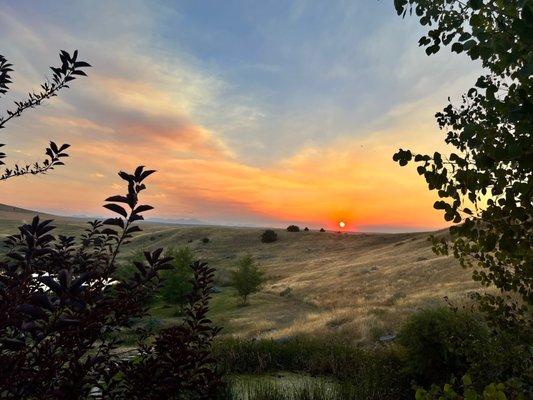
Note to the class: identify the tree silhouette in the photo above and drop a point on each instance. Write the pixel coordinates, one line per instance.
(63, 307)
(68, 71)
(486, 185)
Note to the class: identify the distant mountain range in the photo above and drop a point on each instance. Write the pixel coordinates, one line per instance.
(17, 213)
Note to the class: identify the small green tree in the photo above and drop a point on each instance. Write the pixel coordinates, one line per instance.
(177, 280)
(247, 278)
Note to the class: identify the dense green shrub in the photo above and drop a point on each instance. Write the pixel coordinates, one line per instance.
(269, 236)
(293, 228)
(247, 278)
(177, 280)
(492, 391)
(442, 343)
(206, 240)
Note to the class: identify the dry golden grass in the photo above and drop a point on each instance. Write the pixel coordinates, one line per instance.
(359, 286)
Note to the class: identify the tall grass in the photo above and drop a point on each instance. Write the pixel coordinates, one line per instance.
(308, 390)
(375, 374)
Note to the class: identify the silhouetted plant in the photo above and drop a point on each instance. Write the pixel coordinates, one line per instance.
(293, 228)
(61, 309)
(486, 185)
(247, 278)
(60, 306)
(63, 305)
(68, 71)
(306, 229)
(322, 230)
(179, 364)
(269, 236)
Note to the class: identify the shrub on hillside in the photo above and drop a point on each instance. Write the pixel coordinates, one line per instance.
(205, 240)
(293, 228)
(269, 236)
(247, 278)
(322, 230)
(177, 279)
(306, 229)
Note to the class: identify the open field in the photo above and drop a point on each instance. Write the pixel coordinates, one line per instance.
(358, 286)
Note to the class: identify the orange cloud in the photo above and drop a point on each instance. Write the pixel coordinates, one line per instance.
(126, 123)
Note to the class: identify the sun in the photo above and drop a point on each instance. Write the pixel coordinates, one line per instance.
(342, 224)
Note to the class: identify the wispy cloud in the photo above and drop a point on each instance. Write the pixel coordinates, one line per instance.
(279, 114)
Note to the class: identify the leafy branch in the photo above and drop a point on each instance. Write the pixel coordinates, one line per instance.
(68, 71)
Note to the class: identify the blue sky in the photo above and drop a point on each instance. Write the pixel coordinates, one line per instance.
(261, 92)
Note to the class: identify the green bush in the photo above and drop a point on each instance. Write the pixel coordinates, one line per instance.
(269, 236)
(493, 391)
(247, 278)
(441, 343)
(177, 280)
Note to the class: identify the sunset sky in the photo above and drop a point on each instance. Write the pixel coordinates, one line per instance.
(253, 112)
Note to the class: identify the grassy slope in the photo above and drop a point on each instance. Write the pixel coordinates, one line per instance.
(356, 285)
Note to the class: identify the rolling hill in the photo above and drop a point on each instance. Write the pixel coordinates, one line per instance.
(357, 285)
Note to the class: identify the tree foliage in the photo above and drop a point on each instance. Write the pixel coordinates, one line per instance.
(247, 278)
(69, 69)
(63, 306)
(59, 306)
(486, 185)
(493, 391)
(177, 280)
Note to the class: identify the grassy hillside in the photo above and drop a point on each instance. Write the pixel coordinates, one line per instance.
(356, 285)
(359, 286)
